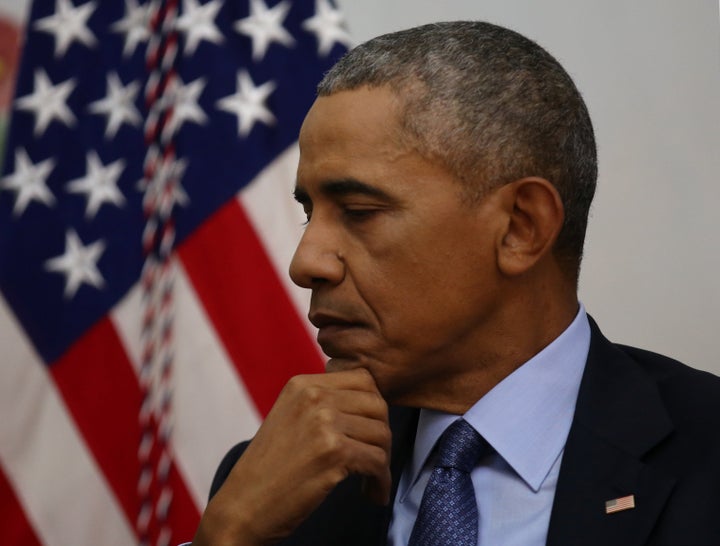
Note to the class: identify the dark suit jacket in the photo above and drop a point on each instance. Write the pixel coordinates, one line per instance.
(644, 425)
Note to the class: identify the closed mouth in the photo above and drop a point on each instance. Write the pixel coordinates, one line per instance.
(323, 320)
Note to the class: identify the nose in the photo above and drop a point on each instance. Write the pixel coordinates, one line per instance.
(317, 258)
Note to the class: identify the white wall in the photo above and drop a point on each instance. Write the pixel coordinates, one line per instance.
(650, 73)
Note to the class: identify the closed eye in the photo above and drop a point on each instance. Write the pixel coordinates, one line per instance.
(359, 214)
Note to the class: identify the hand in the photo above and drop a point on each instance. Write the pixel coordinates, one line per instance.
(321, 429)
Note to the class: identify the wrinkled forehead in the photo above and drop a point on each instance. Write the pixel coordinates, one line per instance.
(354, 135)
(362, 114)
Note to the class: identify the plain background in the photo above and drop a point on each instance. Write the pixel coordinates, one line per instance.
(650, 73)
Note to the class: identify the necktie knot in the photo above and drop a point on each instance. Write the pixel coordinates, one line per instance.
(448, 514)
(460, 447)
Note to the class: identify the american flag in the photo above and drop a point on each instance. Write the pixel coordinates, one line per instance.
(146, 224)
(620, 504)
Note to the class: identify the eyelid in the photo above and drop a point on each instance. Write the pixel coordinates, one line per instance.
(363, 205)
(361, 213)
(360, 209)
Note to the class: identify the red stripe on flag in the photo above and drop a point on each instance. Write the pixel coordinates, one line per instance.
(102, 392)
(16, 529)
(247, 304)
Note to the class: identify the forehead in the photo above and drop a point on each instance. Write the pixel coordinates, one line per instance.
(373, 111)
(360, 121)
(356, 135)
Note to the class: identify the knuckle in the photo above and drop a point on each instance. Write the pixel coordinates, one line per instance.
(325, 417)
(304, 389)
(330, 444)
(312, 394)
(296, 384)
(336, 475)
(334, 453)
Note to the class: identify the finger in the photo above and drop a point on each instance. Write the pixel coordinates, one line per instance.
(307, 396)
(366, 404)
(364, 450)
(364, 429)
(358, 379)
(373, 463)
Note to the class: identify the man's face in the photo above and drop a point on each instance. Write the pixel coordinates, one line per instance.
(402, 269)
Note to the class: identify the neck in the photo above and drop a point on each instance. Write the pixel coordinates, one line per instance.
(529, 322)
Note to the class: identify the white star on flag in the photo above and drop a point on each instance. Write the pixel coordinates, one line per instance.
(248, 103)
(328, 26)
(265, 26)
(135, 25)
(118, 105)
(68, 24)
(198, 23)
(99, 184)
(183, 99)
(29, 182)
(78, 263)
(48, 102)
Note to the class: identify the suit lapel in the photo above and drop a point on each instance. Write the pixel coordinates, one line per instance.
(403, 423)
(619, 418)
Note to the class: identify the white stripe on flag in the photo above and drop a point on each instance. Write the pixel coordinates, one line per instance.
(212, 409)
(45, 457)
(277, 219)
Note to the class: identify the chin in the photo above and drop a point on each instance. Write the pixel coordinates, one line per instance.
(393, 389)
(342, 364)
(339, 364)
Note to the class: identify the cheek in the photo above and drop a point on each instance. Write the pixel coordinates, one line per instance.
(431, 305)
(415, 279)
(419, 279)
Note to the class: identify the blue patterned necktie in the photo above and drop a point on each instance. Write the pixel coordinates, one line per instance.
(448, 512)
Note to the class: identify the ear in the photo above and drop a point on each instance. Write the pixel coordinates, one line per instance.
(534, 214)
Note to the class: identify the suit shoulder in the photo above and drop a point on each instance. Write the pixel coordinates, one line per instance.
(687, 386)
(226, 465)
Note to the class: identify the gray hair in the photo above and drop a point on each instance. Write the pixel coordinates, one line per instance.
(491, 105)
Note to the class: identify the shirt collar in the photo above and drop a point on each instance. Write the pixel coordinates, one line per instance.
(527, 416)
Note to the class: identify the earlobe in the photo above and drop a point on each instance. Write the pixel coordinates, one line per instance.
(534, 214)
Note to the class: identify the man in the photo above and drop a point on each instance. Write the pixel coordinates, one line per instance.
(447, 172)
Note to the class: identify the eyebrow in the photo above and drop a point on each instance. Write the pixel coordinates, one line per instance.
(341, 188)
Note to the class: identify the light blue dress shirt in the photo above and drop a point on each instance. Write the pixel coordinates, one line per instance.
(526, 419)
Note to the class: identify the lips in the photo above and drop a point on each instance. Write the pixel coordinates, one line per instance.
(322, 320)
(335, 333)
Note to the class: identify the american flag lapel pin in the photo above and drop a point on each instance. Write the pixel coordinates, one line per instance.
(620, 504)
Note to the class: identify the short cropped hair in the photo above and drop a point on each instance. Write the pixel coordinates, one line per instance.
(491, 105)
